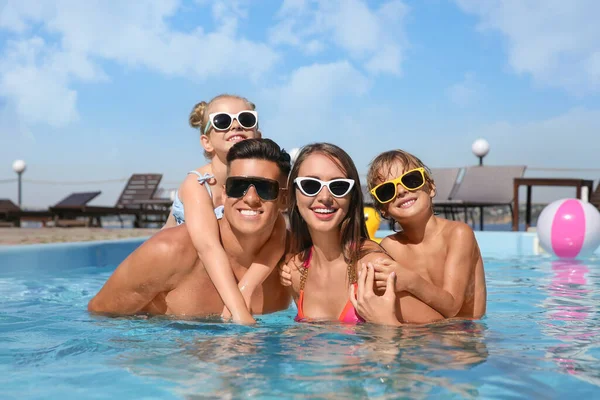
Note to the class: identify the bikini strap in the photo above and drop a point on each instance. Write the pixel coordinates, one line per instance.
(304, 269)
(306, 264)
(202, 179)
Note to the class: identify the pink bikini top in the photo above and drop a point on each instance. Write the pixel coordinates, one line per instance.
(348, 315)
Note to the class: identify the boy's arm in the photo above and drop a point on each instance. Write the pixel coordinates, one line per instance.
(458, 268)
(204, 232)
(266, 260)
(377, 259)
(132, 286)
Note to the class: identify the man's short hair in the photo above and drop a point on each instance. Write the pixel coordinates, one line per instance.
(261, 149)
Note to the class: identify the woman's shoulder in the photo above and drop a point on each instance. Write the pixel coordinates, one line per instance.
(294, 260)
(370, 250)
(370, 246)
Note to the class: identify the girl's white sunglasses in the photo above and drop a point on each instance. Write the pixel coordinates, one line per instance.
(222, 121)
(312, 186)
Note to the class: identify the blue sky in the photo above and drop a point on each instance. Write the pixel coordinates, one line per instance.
(98, 90)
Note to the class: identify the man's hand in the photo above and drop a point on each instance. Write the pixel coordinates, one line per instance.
(374, 308)
(285, 275)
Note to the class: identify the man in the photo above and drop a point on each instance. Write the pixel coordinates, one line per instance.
(164, 276)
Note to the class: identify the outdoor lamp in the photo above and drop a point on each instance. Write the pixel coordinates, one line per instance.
(19, 167)
(480, 148)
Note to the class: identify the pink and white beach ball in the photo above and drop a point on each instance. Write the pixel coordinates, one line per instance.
(569, 228)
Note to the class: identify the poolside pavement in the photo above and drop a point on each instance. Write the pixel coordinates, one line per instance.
(18, 236)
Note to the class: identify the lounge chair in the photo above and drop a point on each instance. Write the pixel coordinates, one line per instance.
(487, 186)
(66, 211)
(12, 215)
(136, 199)
(445, 185)
(8, 213)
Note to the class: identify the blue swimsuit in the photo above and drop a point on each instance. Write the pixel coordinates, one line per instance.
(177, 209)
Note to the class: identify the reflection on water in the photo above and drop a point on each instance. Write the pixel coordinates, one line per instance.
(325, 360)
(571, 311)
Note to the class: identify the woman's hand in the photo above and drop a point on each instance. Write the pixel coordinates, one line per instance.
(374, 308)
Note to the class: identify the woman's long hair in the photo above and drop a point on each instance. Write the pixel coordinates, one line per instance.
(353, 229)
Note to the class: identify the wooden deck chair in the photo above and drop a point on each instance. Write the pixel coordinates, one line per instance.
(445, 180)
(487, 186)
(136, 199)
(11, 214)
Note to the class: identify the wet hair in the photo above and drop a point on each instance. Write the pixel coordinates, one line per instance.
(353, 228)
(199, 116)
(260, 149)
(381, 167)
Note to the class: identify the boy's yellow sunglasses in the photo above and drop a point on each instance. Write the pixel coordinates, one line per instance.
(410, 180)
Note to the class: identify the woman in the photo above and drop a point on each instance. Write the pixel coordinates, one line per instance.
(329, 242)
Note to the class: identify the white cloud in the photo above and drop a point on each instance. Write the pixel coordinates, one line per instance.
(34, 79)
(37, 75)
(316, 101)
(465, 92)
(557, 42)
(373, 37)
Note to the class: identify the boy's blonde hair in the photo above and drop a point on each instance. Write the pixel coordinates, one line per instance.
(381, 166)
(199, 116)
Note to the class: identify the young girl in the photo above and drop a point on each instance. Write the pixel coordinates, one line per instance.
(222, 122)
(329, 240)
(436, 260)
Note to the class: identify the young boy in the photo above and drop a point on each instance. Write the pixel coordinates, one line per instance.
(436, 260)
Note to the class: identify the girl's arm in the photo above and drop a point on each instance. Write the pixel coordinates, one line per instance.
(266, 260)
(204, 232)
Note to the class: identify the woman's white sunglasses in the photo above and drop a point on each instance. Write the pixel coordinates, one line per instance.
(312, 186)
(222, 121)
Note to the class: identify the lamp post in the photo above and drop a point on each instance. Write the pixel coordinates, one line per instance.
(19, 167)
(480, 148)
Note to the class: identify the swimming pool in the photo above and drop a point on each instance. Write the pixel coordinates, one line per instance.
(538, 339)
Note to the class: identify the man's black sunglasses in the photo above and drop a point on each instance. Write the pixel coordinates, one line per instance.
(237, 187)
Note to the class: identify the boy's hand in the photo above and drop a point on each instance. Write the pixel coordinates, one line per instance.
(285, 275)
(383, 269)
(374, 308)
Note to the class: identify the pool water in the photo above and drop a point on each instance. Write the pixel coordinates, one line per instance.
(539, 339)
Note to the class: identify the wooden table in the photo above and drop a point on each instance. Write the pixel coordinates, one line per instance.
(529, 182)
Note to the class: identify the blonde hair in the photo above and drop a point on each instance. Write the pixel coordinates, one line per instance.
(199, 117)
(381, 167)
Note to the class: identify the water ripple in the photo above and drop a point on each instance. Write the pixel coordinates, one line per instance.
(538, 340)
